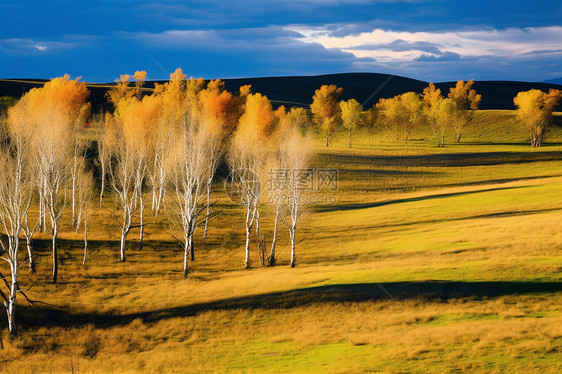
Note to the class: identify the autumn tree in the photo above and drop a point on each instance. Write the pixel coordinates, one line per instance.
(326, 110)
(221, 112)
(534, 111)
(194, 152)
(296, 118)
(221, 106)
(140, 78)
(413, 107)
(370, 116)
(79, 148)
(55, 112)
(438, 112)
(247, 157)
(466, 102)
(6, 102)
(351, 112)
(15, 200)
(85, 185)
(295, 150)
(121, 90)
(401, 114)
(134, 136)
(105, 130)
(175, 99)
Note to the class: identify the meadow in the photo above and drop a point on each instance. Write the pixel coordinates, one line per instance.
(431, 260)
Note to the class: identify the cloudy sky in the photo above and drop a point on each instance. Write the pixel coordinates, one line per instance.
(428, 40)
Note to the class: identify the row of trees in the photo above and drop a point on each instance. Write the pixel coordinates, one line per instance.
(404, 113)
(400, 114)
(157, 152)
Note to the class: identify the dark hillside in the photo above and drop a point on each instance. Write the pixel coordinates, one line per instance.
(367, 88)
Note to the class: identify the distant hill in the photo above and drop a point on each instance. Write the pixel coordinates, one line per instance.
(554, 81)
(366, 88)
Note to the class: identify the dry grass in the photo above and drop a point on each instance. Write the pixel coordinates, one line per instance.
(465, 240)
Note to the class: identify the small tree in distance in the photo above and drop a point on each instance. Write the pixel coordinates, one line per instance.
(351, 112)
(466, 102)
(326, 110)
(534, 111)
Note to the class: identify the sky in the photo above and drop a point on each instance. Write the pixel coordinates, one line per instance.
(435, 41)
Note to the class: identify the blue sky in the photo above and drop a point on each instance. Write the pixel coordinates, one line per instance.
(427, 40)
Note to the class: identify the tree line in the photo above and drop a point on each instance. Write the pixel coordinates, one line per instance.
(404, 113)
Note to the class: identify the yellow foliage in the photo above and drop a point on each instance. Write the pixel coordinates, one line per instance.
(402, 113)
(534, 111)
(258, 119)
(245, 90)
(464, 96)
(326, 110)
(350, 113)
(139, 76)
(139, 120)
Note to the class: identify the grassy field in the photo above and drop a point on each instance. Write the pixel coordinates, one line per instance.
(432, 260)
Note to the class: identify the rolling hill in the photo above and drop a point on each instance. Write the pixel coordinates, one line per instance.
(367, 88)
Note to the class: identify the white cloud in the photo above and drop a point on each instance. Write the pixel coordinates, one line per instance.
(508, 43)
(40, 47)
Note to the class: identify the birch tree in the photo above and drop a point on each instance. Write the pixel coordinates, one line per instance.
(105, 128)
(190, 164)
(85, 184)
(295, 150)
(55, 111)
(15, 200)
(247, 157)
(139, 77)
(134, 130)
(175, 105)
(221, 112)
(295, 119)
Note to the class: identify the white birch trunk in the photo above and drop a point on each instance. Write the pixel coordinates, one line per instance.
(85, 240)
(274, 240)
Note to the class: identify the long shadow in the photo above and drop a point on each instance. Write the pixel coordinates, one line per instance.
(344, 207)
(432, 290)
(513, 213)
(449, 159)
(386, 172)
(498, 181)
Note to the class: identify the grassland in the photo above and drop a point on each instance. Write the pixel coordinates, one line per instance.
(432, 260)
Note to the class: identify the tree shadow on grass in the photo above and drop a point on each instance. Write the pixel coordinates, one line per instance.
(447, 159)
(343, 207)
(439, 291)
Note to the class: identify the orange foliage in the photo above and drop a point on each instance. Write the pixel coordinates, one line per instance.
(56, 107)
(221, 106)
